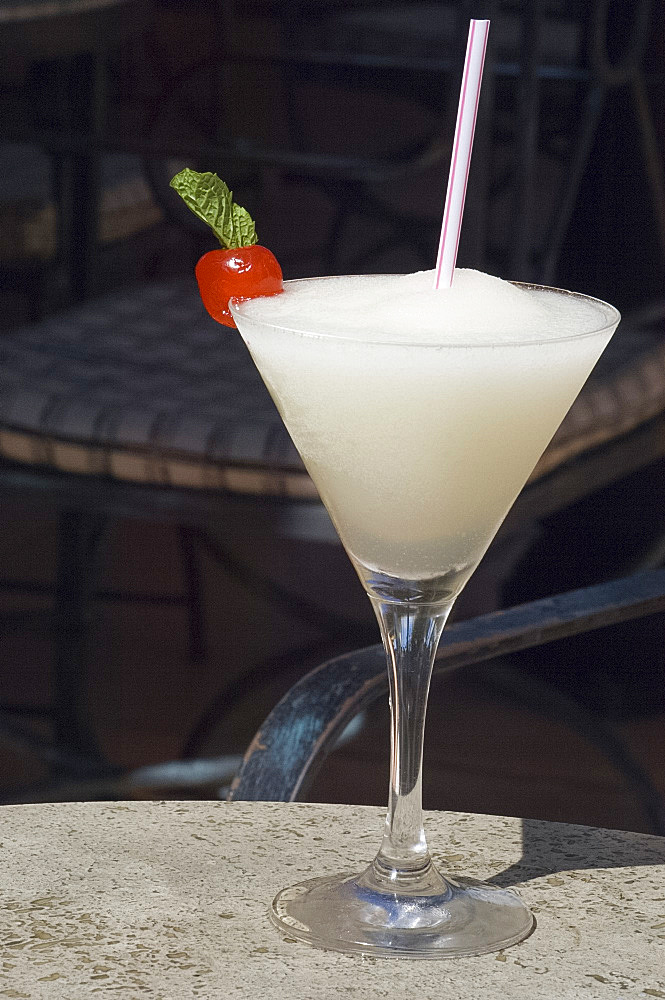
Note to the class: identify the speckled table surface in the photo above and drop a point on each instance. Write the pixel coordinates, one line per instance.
(169, 900)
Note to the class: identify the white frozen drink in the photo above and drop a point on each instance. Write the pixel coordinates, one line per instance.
(420, 413)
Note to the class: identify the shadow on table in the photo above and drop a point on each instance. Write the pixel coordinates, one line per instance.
(578, 848)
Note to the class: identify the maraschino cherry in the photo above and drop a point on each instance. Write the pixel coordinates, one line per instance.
(241, 273)
(242, 269)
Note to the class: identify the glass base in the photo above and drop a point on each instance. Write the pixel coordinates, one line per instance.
(455, 917)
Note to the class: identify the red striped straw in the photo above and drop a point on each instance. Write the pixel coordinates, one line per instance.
(461, 159)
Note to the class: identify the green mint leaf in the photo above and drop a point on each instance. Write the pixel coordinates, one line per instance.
(210, 199)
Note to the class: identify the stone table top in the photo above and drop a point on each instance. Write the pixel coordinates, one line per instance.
(169, 900)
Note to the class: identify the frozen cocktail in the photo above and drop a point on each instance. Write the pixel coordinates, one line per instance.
(420, 404)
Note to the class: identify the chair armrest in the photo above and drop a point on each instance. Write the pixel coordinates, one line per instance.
(300, 732)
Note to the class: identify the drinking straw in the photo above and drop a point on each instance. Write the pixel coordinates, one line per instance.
(467, 113)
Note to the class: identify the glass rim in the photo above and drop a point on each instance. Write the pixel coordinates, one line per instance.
(612, 321)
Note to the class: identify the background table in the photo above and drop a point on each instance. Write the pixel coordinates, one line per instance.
(170, 900)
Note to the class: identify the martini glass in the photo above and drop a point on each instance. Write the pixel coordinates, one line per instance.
(418, 450)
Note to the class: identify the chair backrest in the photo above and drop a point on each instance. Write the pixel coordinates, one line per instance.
(300, 732)
(358, 102)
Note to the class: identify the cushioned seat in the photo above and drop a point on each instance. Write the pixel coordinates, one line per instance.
(142, 385)
(626, 389)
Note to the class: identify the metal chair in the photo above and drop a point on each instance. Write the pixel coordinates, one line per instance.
(361, 103)
(133, 405)
(54, 97)
(71, 442)
(293, 742)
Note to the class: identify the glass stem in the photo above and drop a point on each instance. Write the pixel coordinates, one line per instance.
(410, 635)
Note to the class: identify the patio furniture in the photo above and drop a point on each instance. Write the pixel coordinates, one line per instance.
(293, 742)
(356, 101)
(135, 404)
(54, 97)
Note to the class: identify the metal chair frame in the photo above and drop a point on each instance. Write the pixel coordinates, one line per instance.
(291, 745)
(85, 503)
(349, 180)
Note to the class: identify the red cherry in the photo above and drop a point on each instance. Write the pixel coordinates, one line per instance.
(242, 273)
